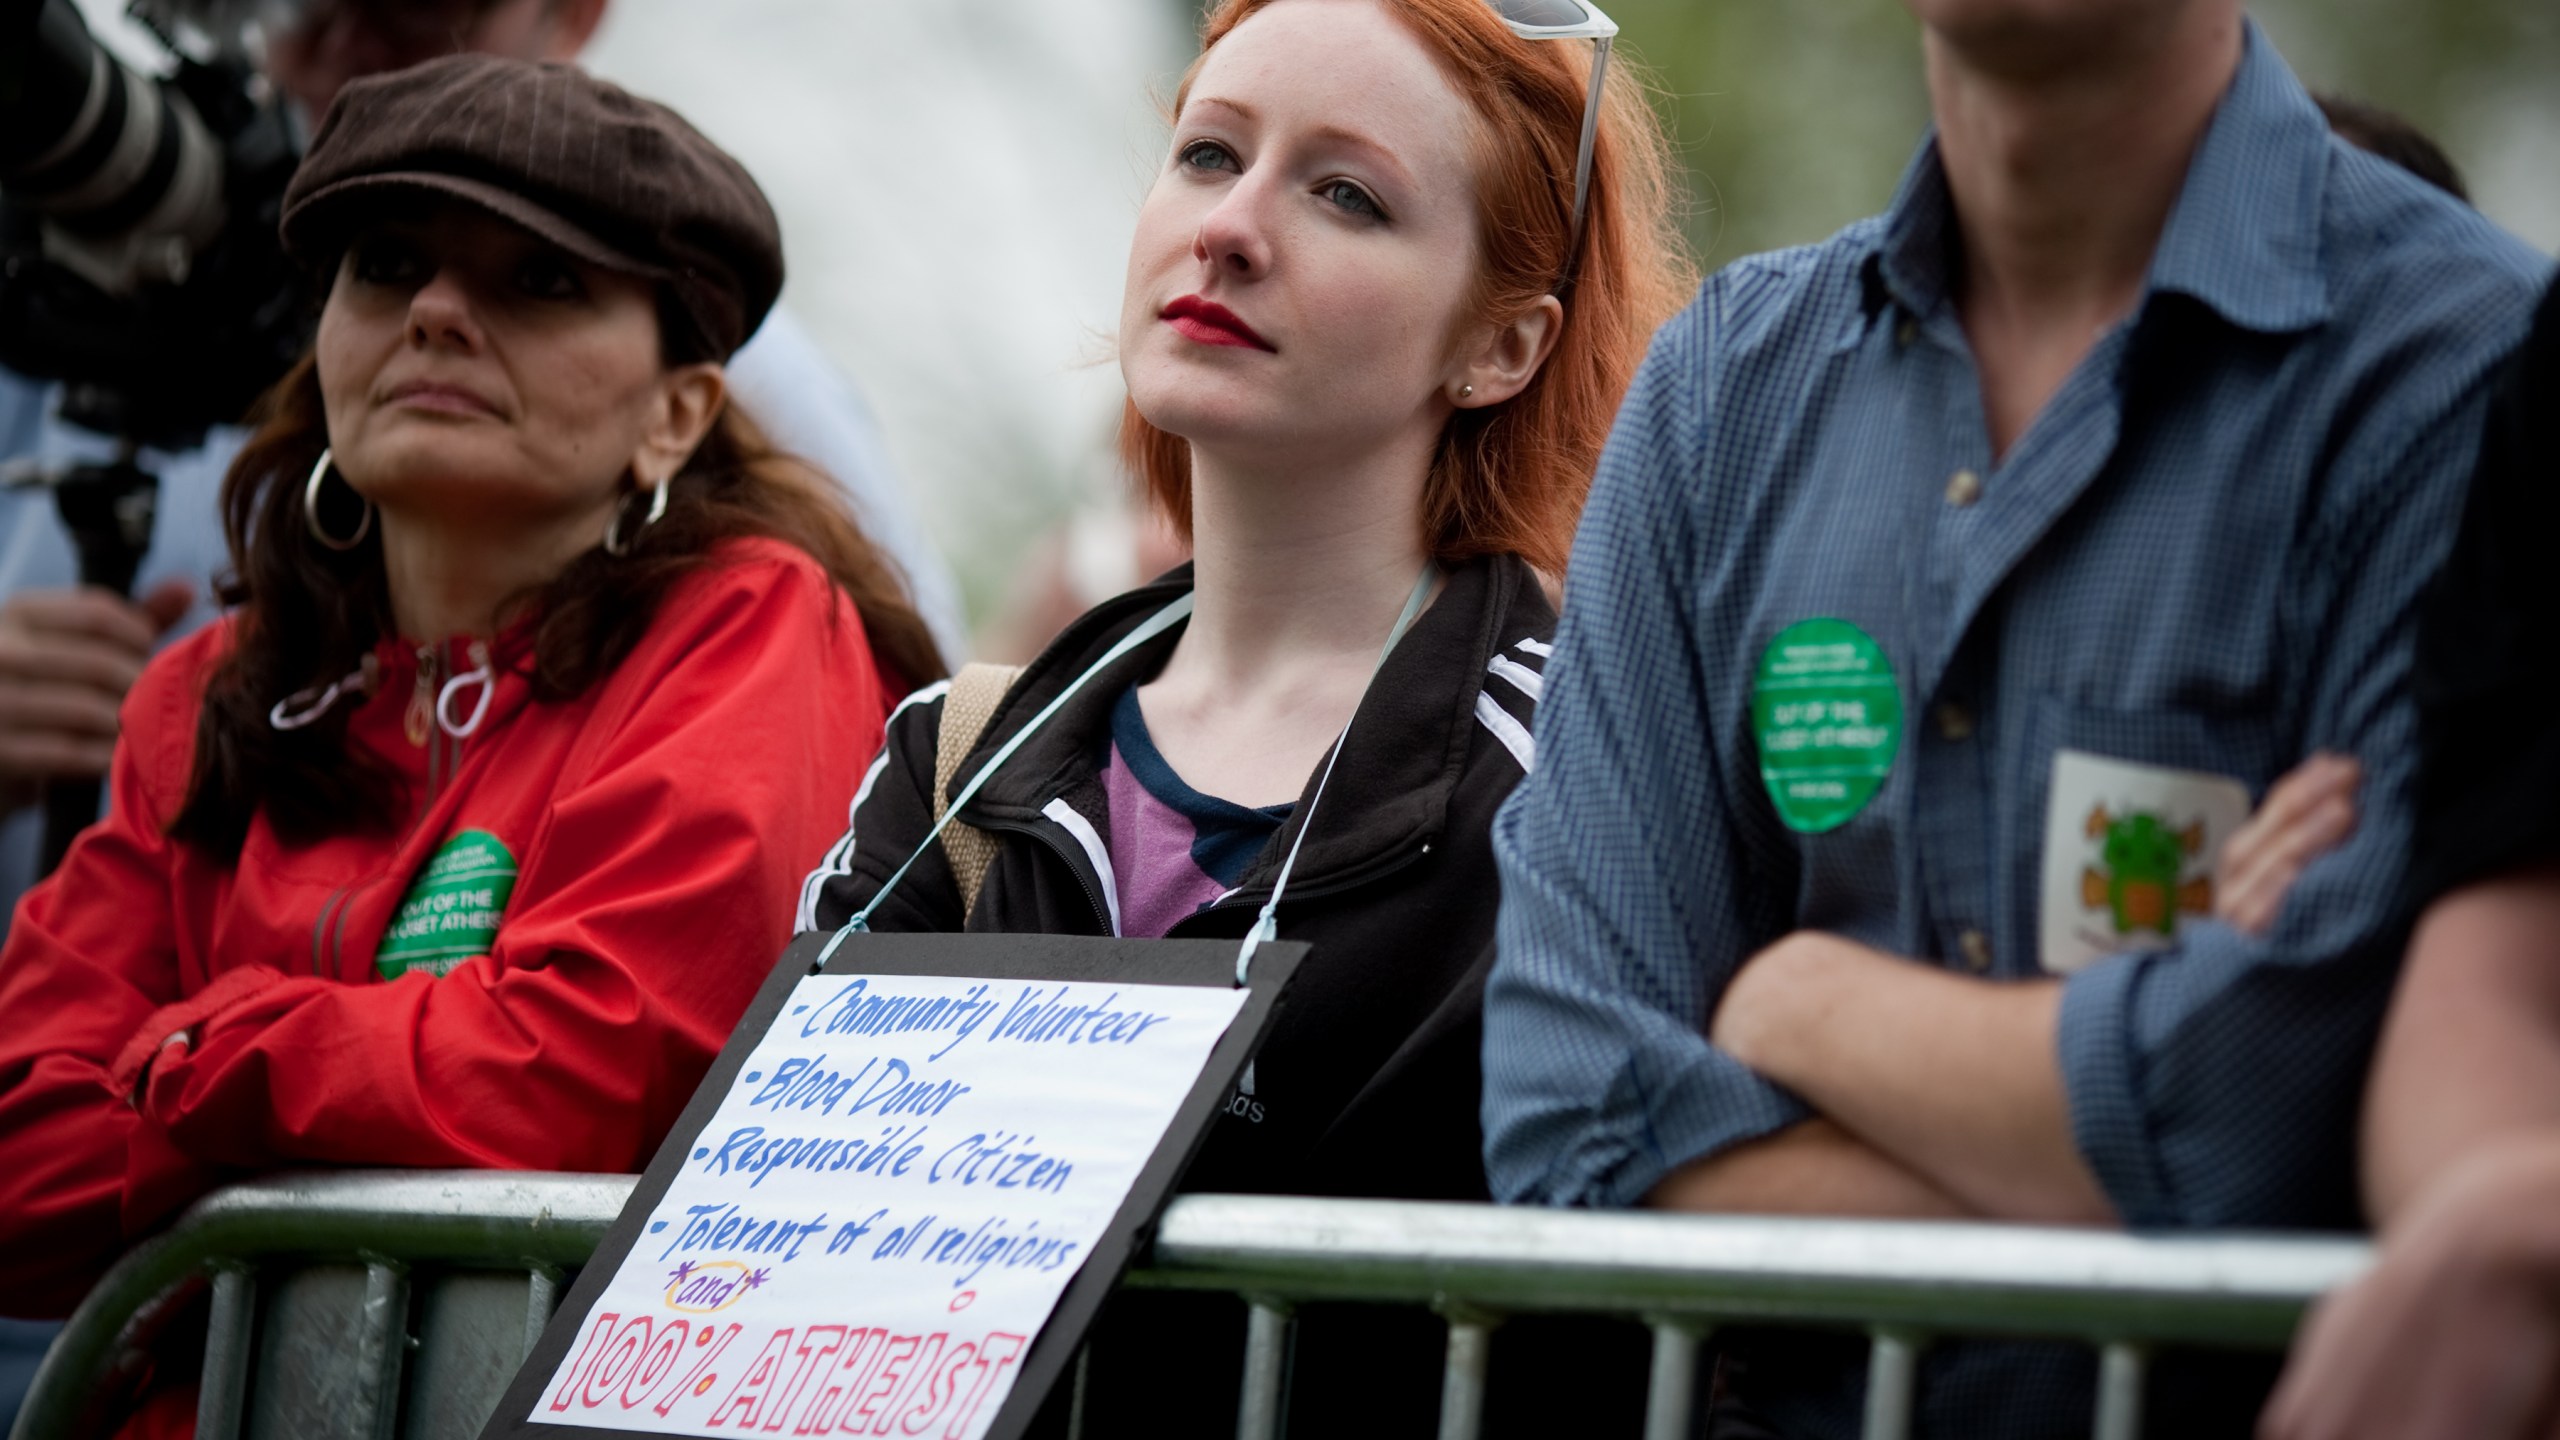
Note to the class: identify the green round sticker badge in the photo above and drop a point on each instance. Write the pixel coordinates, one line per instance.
(1828, 715)
(453, 908)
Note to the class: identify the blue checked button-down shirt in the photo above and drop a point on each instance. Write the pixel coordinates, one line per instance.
(2203, 554)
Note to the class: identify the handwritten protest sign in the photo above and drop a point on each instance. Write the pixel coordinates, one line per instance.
(892, 1188)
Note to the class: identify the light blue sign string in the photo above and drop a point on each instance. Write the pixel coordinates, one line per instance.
(1266, 926)
(1155, 625)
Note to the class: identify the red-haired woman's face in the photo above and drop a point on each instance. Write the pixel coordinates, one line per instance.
(1302, 265)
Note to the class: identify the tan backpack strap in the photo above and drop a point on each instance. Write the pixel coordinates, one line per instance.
(966, 708)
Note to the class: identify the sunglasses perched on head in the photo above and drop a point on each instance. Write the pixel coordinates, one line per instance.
(1569, 20)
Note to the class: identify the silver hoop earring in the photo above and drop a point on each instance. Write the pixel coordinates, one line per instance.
(614, 544)
(311, 510)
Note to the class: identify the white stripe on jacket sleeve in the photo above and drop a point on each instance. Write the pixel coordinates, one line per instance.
(839, 857)
(1522, 678)
(1514, 736)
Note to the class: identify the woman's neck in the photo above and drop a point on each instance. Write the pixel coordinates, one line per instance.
(1297, 566)
(1299, 573)
(448, 579)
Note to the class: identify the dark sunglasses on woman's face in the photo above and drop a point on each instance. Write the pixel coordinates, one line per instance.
(1569, 20)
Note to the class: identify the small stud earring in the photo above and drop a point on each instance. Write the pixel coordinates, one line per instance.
(1465, 390)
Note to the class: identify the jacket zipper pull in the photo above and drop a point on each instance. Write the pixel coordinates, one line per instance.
(479, 675)
(420, 722)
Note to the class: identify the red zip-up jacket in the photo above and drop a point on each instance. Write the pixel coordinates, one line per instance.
(602, 883)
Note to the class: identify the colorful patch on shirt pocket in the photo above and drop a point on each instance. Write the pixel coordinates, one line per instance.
(453, 908)
(2129, 851)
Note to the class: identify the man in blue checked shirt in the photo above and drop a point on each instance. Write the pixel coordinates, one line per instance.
(1949, 591)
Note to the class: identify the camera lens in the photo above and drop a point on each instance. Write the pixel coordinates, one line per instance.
(125, 173)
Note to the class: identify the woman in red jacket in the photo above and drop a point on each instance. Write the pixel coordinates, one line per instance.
(468, 835)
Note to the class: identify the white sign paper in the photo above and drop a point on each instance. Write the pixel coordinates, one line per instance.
(886, 1207)
(2128, 855)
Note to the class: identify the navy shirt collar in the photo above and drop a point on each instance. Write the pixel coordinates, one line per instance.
(2243, 238)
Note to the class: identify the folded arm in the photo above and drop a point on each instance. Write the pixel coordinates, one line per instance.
(2215, 1083)
(657, 902)
(1951, 1078)
(1813, 1167)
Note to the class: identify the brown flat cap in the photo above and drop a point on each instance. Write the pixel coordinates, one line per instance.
(601, 173)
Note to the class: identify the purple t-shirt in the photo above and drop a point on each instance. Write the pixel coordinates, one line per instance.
(1173, 849)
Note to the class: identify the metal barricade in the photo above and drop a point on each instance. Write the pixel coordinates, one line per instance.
(1903, 1283)
(328, 1290)
(338, 1285)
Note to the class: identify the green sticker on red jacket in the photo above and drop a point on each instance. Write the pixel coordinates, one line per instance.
(1827, 713)
(452, 910)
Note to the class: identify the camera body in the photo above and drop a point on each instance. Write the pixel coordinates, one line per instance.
(139, 263)
(139, 266)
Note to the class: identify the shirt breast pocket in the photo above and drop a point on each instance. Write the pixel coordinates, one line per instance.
(2122, 815)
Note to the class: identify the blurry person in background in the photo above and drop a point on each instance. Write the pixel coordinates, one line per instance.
(2457, 1330)
(1110, 543)
(67, 655)
(1948, 589)
(464, 838)
(2371, 128)
(326, 43)
(1371, 354)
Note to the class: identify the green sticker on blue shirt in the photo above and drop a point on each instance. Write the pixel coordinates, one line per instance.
(1827, 713)
(452, 910)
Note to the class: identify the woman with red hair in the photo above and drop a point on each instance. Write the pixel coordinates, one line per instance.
(1376, 325)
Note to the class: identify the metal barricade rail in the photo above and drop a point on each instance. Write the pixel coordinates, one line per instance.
(294, 1233)
(1903, 1284)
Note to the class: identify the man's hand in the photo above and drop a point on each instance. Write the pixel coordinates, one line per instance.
(2456, 1331)
(67, 657)
(2309, 813)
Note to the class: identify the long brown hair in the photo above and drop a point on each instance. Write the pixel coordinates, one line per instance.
(1511, 478)
(303, 615)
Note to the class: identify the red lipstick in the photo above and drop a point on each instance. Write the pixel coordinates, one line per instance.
(1211, 323)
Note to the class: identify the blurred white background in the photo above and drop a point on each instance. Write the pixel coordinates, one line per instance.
(957, 180)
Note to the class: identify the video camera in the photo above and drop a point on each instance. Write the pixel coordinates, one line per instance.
(138, 254)
(139, 264)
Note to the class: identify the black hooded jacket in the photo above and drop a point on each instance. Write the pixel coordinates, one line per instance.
(1368, 1082)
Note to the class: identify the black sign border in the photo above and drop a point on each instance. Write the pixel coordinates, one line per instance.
(1209, 964)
